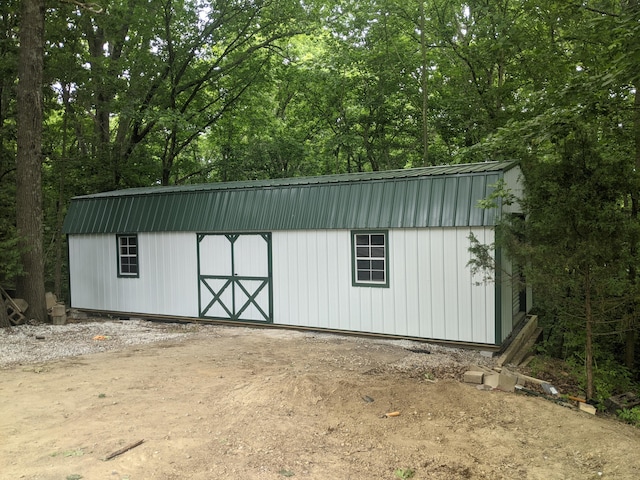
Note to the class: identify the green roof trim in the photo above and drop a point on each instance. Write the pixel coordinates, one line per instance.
(441, 196)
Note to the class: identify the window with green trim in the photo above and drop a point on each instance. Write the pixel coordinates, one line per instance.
(128, 256)
(370, 259)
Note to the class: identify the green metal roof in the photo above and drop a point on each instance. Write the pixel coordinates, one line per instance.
(419, 197)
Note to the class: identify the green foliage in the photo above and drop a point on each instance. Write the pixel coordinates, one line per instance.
(404, 473)
(500, 195)
(630, 415)
(610, 377)
(10, 256)
(482, 260)
(10, 262)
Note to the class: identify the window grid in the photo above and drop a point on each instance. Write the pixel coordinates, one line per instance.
(128, 255)
(370, 258)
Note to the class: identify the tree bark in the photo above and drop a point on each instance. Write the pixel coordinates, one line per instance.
(4, 318)
(29, 157)
(424, 85)
(589, 334)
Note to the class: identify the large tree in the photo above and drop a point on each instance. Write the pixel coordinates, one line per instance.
(29, 157)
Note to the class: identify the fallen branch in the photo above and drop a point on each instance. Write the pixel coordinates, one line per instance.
(122, 450)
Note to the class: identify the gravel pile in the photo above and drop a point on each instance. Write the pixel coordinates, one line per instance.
(28, 344)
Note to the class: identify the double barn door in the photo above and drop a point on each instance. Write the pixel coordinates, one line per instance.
(234, 276)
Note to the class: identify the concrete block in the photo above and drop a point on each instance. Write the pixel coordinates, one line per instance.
(585, 407)
(21, 303)
(507, 382)
(479, 368)
(492, 379)
(473, 377)
(59, 314)
(51, 300)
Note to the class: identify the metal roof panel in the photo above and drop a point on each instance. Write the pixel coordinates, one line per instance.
(422, 197)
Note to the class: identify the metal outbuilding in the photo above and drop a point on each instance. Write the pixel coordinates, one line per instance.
(376, 252)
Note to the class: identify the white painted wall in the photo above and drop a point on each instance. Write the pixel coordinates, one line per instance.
(430, 294)
(168, 275)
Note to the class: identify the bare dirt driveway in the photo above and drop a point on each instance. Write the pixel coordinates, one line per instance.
(214, 402)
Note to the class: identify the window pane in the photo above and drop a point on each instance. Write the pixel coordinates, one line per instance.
(364, 275)
(377, 276)
(362, 239)
(377, 252)
(133, 250)
(377, 239)
(364, 265)
(362, 251)
(377, 264)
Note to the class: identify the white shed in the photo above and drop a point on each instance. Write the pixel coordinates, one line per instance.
(377, 252)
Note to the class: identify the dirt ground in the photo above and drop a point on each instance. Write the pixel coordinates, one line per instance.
(245, 403)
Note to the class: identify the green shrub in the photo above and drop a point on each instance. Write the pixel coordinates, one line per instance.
(610, 378)
(630, 415)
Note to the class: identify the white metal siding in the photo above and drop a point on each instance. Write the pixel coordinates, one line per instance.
(431, 292)
(168, 275)
(514, 183)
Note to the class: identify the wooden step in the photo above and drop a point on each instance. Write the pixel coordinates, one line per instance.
(518, 342)
(524, 351)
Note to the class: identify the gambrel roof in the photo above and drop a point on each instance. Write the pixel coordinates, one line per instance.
(440, 196)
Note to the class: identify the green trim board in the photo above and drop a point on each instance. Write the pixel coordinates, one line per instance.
(498, 296)
(124, 253)
(412, 198)
(369, 258)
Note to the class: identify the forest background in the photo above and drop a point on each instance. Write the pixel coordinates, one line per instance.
(165, 92)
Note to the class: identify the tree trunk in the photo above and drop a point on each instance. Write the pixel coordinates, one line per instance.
(424, 85)
(589, 335)
(28, 160)
(4, 318)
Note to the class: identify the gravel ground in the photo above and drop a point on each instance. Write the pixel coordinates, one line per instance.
(41, 343)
